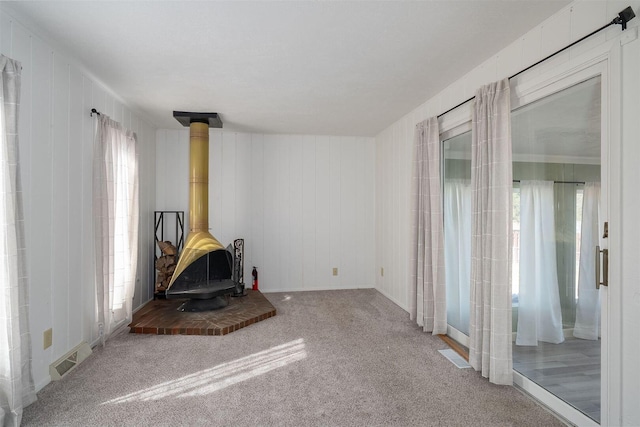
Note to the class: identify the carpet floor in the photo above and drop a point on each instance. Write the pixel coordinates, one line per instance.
(331, 358)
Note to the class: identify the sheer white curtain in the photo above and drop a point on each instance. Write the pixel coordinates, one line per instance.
(539, 313)
(457, 248)
(588, 308)
(428, 291)
(491, 172)
(16, 381)
(116, 221)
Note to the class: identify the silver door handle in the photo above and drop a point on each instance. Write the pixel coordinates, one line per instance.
(605, 267)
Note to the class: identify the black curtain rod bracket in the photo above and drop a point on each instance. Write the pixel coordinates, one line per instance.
(623, 17)
(94, 111)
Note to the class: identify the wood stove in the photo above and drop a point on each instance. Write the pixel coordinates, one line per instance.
(206, 271)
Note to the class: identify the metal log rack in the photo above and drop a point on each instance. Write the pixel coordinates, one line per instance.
(159, 235)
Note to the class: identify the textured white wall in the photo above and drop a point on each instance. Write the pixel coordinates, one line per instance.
(395, 144)
(304, 204)
(56, 155)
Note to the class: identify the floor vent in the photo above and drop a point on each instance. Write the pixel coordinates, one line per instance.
(455, 358)
(69, 361)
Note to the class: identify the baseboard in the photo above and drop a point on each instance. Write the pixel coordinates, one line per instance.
(119, 328)
(42, 384)
(135, 310)
(95, 343)
(392, 299)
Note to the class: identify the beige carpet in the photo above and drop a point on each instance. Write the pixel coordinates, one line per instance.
(334, 358)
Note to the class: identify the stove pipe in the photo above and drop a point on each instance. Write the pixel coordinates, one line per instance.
(204, 270)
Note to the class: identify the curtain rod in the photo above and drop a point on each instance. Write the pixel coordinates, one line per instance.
(560, 182)
(94, 111)
(623, 17)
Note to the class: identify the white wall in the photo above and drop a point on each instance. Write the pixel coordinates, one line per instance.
(630, 234)
(56, 154)
(394, 153)
(304, 204)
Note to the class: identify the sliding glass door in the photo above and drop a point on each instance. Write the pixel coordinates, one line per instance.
(556, 306)
(457, 230)
(556, 222)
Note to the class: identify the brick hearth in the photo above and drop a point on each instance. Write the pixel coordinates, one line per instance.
(161, 317)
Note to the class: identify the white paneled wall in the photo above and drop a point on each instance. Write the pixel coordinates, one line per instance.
(393, 172)
(56, 160)
(304, 204)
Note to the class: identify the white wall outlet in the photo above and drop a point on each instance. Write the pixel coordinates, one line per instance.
(100, 329)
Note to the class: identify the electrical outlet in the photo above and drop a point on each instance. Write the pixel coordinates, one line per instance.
(335, 271)
(100, 329)
(47, 338)
(382, 271)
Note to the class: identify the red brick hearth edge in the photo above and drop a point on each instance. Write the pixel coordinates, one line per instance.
(161, 317)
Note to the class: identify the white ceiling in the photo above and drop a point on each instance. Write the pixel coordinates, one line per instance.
(308, 67)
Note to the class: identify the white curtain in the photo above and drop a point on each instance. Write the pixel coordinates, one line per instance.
(428, 291)
(457, 248)
(588, 308)
(491, 169)
(539, 313)
(116, 222)
(16, 381)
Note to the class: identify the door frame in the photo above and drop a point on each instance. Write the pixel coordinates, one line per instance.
(604, 61)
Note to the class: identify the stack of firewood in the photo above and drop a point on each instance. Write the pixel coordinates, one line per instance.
(166, 265)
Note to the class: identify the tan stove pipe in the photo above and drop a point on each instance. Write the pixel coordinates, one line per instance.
(199, 241)
(199, 177)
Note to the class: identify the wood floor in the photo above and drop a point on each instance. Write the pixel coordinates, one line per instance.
(570, 370)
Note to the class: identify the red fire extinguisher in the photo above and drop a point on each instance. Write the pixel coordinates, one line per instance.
(254, 273)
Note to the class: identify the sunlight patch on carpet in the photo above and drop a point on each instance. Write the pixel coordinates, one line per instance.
(213, 379)
(455, 358)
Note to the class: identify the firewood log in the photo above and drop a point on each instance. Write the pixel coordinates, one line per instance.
(167, 248)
